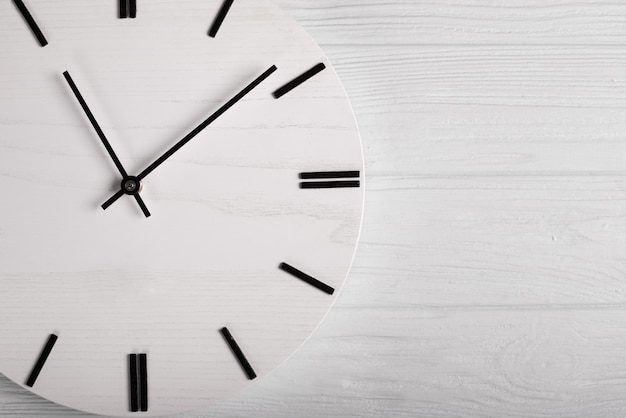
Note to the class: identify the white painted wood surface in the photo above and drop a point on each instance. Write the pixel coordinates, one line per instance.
(491, 276)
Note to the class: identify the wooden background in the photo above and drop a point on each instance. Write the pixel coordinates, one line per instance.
(491, 275)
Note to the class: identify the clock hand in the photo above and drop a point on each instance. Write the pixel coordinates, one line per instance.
(104, 140)
(206, 123)
(191, 135)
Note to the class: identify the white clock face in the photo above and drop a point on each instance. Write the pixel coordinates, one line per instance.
(255, 210)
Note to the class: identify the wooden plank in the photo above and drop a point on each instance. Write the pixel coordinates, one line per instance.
(494, 240)
(449, 22)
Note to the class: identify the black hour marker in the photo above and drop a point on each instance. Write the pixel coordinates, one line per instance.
(306, 278)
(241, 358)
(134, 382)
(41, 360)
(128, 8)
(138, 373)
(299, 80)
(219, 19)
(329, 179)
(31, 22)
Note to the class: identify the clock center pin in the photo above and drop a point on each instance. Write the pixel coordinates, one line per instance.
(132, 185)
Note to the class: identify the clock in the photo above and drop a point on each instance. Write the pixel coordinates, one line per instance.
(182, 194)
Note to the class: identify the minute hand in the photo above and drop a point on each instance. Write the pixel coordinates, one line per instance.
(206, 123)
(194, 132)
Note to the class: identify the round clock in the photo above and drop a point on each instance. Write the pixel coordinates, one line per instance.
(182, 196)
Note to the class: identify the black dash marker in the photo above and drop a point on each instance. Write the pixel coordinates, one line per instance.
(306, 278)
(123, 9)
(128, 8)
(330, 175)
(134, 382)
(143, 381)
(41, 360)
(219, 19)
(138, 373)
(329, 179)
(31, 22)
(243, 362)
(299, 80)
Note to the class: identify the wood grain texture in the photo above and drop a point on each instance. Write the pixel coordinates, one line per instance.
(490, 279)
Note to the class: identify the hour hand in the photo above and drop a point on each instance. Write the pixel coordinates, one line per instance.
(127, 181)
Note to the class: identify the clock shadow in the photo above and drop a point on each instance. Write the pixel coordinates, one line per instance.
(22, 399)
